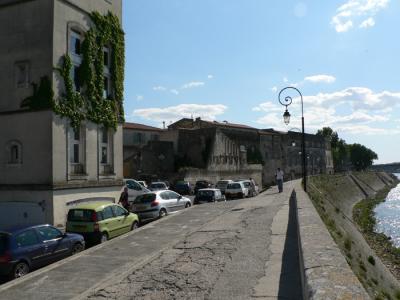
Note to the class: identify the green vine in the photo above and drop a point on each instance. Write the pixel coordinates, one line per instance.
(89, 103)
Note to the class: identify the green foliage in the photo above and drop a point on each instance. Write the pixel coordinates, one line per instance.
(72, 104)
(90, 104)
(42, 97)
(371, 260)
(361, 157)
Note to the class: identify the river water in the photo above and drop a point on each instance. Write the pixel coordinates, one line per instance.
(387, 215)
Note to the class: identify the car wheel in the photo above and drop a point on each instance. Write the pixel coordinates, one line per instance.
(104, 238)
(21, 269)
(162, 213)
(78, 247)
(187, 205)
(135, 225)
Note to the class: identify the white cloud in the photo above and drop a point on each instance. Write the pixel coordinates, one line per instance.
(285, 80)
(354, 110)
(159, 88)
(274, 89)
(370, 22)
(192, 84)
(210, 76)
(355, 11)
(174, 113)
(139, 97)
(320, 78)
(173, 91)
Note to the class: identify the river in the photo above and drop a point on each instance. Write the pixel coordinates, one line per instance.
(387, 215)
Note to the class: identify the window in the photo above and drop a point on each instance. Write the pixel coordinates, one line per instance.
(75, 139)
(49, 233)
(118, 211)
(26, 239)
(164, 196)
(22, 74)
(133, 185)
(14, 152)
(108, 213)
(75, 41)
(106, 73)
(155, 137)
(105, 145)
(75, 52)
(138, 138)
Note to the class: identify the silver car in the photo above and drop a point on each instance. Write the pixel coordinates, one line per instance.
(222, 184)
(158, 204)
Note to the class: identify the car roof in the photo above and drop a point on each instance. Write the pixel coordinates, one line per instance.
(208, 190)
(98, 205)
(18, 228)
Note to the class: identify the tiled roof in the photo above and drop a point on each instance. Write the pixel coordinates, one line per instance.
(138, 126)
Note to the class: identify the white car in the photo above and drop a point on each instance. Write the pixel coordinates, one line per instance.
(236, 190)
(222, 184)
(134, 189)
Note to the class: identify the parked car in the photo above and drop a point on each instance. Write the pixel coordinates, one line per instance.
(236, 190)
(158, 204)
(201, 184)
(208, 195)
(142, 183)
(158, 186)
(253, 189)
(134, 188)
(26, 248)
(100, 221)
(183, 188)
(222, 184)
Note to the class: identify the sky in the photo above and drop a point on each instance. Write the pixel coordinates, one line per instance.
(229, 59)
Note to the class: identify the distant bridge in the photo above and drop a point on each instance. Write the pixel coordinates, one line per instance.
(389, 168)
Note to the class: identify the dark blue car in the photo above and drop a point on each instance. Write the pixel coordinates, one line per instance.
(27, 248)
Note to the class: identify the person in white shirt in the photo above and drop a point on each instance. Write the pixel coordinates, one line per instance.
(279, 179)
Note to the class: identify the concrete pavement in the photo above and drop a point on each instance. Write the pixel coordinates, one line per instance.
(227, 250)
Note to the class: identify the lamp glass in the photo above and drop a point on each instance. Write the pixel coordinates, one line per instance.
(286, 117)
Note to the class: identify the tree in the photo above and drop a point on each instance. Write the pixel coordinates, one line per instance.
(330, 134)
(361, 157)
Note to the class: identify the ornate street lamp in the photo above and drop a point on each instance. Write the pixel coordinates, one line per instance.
(286, 118)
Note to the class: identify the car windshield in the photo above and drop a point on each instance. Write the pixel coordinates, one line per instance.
(206, 193)
(234, 186)
(223, 182)
(182, 184)
(80, 215)
(145, 198)
(3, 243)
(158, 185)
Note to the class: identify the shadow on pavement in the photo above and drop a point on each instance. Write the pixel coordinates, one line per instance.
(290, 286)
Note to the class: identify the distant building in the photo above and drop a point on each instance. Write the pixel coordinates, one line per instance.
(145, 156)
(46, 164)
(229, 150)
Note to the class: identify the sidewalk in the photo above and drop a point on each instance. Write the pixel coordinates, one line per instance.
(228, 250)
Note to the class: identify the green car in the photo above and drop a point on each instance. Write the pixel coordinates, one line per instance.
(100, 221)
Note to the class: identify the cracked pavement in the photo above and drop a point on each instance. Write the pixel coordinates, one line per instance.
(210, 251)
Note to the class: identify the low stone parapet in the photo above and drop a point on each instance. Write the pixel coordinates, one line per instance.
(325, 272)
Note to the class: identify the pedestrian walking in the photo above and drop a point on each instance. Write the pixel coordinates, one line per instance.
(279, 179)
(123, 199)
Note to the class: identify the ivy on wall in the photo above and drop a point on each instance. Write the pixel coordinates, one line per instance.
(89, 103)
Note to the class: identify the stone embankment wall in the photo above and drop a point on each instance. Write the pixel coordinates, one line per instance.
(336, 257)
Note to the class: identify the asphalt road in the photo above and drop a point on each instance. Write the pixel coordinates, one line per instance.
(210, 251)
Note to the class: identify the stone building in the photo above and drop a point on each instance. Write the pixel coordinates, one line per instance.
(146, 157)
(215, 150)
(46, 164)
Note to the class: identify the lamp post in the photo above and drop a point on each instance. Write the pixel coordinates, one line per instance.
(286, 118)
